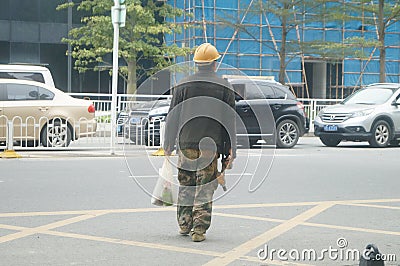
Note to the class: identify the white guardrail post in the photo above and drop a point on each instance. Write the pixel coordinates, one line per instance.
(9, 137)
(162, 132)
(160, 151)
(9, 152)
(312, 115)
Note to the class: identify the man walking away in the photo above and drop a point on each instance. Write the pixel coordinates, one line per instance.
(201, 122)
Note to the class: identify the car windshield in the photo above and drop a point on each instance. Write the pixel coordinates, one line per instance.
(371, 96)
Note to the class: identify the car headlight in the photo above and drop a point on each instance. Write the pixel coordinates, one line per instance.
(321, 113)
(362, 113)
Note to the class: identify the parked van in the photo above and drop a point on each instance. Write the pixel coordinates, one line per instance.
(27, 72)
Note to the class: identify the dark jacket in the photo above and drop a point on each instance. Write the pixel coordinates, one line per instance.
(202, 109)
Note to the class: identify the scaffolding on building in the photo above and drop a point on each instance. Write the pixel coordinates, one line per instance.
(256, 54)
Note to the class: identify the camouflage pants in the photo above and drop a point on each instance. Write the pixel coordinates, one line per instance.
(197, 178)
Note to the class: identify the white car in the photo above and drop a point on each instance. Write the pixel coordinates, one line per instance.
(371, 114)
(27, 72)
(42, 114)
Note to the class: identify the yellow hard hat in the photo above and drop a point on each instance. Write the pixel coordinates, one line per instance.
(206, 53)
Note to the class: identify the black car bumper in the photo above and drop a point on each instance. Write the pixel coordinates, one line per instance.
(144, 135)
(353, 133)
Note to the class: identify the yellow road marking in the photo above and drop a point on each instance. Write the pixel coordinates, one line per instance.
(372, 206)
(221, 258)
(109, 240)
(348, 228)
(134, 243)
(40, 229)
(54, 213)
(264, 205)
(248, 217)
(272, 262)
(285, 226)
(166, 209)
(369, 201)
(12, 227)
(357, 229)
(142, 244)
(260, 240)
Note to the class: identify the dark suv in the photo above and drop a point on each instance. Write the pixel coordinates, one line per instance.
(268, 111)
(134, 125)
(283, 125)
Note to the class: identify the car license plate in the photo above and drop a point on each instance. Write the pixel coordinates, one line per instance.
(330, 128)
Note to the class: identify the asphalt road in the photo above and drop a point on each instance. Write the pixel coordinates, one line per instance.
(85, 208)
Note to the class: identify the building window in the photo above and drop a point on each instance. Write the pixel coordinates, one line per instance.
(24, 10)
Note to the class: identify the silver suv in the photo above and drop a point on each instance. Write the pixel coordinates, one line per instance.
(371, 114)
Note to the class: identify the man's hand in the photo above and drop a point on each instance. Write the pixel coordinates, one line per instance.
(221, 180)
(229, 160)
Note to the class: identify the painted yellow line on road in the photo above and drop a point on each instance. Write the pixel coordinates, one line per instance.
(166, 209)
(81, 212)
(243, 249)
(370, 201)
(372, 206)
(152, 209)
(134, 243)
(264, 219)
(39, 229)
(42, 230)
(348, 228)
(143, 244)
(264, 205)
(356, 229)
(272, 262)
(28, 214)
(306, 203)
(12, 227)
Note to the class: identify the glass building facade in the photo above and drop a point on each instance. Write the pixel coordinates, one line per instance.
(254, 53)
(31, 33)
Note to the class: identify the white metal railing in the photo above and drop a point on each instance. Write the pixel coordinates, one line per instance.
(60, 133)
(313, 106)
(102, 103)
(28, 132)
(144, 132)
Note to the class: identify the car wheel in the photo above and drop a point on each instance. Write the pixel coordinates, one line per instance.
(330, 141)
(287, 134)
(381, 134)
(56, 134)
